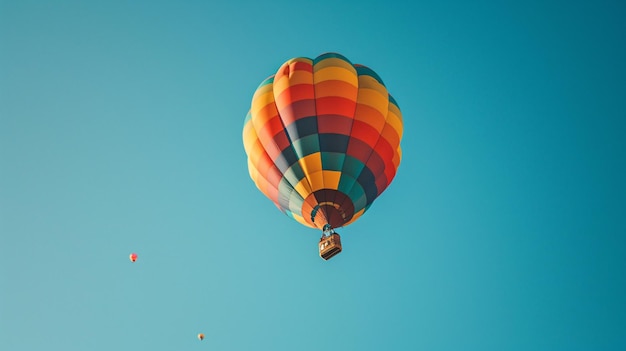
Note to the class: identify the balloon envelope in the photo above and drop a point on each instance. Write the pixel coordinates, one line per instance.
(201, 336)
(323, 139)
(133, 257)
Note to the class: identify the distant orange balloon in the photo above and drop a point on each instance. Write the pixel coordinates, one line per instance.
(133, 257)
(201, 336)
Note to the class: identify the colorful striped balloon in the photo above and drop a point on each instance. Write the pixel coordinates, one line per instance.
(323, 139)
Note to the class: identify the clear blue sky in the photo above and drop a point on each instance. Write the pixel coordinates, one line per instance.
(120, 132)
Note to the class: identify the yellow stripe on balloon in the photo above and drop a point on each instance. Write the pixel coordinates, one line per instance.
(303, 188)
(334, 62)
(260, 102)
(331, 179)
(336, 73)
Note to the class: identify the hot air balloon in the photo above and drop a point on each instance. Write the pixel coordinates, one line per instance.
(322, 138)
(201, 336)
(133, 257)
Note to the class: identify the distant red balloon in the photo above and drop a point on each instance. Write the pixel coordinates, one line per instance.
(133, 257)
(201, 336)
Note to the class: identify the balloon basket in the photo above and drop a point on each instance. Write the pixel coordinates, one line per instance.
(329, 246)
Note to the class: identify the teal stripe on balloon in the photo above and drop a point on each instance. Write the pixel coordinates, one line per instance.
(366, 71)
(353, 189)
(294, 174)
(393, 101)
(310, 144)
(353, 166)
(333, 161)
(330, 55)
(266, 81)
(295, 202)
